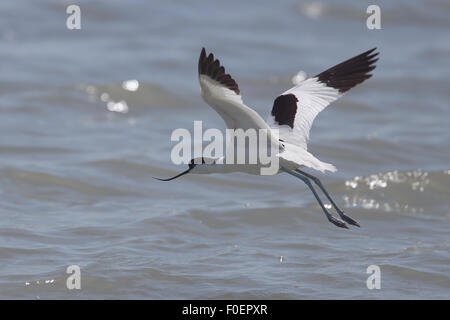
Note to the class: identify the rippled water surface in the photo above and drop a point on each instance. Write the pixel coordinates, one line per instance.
(79, 144)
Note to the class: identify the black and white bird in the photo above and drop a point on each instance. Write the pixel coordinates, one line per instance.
(293, 113)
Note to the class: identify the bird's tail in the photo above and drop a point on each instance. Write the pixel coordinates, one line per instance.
(326, 167)
(301, 157)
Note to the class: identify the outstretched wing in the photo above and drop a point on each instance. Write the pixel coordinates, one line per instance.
(294, 111)
(222, 93)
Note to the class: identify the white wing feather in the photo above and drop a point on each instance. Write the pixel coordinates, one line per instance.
(294, 111)
(313, 96)
(229, 105)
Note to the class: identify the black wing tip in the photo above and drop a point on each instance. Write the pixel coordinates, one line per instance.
(351, 72)
(370, 50)
(212, 68)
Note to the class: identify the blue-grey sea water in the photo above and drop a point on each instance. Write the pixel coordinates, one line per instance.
(80, 143)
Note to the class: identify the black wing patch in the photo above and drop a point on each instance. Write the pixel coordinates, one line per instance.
(212, 68)
(348, 74)
(284, 109)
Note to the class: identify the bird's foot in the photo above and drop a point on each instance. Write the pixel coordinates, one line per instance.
(337, 222)
(347, 218)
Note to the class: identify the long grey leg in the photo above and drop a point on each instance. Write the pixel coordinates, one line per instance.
(341, 213)
(330, 218)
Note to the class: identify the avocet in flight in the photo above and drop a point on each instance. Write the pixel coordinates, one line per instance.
(293, 113)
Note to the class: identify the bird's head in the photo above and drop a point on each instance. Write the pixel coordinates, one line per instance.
(197, 165)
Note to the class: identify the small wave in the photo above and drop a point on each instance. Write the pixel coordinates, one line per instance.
(119, 98)
(21, 150)
(47, 180)
(417, 179)
(401, 191)
(429, 14)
